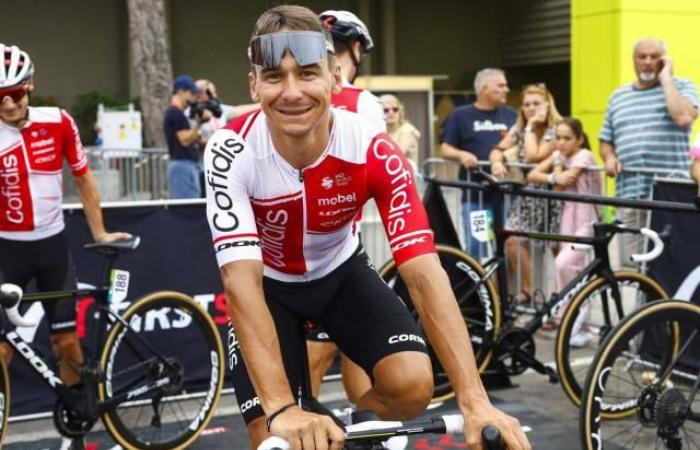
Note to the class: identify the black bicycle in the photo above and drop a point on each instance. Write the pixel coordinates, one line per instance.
(153, 373)
(642, 388)
(594, 301)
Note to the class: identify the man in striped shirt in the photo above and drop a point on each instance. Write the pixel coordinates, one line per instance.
(647, 126)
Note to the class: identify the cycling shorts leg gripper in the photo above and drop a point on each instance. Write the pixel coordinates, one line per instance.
(368, 321)
(291, 337)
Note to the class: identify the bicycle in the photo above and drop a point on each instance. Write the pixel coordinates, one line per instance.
(639, 392)
(512, 348)
(140, 367)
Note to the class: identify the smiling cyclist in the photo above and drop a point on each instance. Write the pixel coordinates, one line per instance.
(282, 192)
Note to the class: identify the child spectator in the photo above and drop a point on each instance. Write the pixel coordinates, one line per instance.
(567, 171)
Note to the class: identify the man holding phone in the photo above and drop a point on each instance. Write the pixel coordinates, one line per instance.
(647, 126)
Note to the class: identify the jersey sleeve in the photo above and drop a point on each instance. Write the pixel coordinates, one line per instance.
(74, 152)
(391, 183)
(228, 167)
(369, 106)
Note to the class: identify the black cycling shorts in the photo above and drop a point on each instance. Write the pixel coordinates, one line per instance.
(361, 314)
(47, 261)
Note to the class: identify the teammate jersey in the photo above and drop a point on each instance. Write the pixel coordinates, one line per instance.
(31, 179)
(299, 222)
(362, 102)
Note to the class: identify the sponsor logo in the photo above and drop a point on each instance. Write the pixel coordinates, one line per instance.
(483, 293)
(342, 180)
(42, 143)
(335, 212)
(9, 174)
(338, 199)
(224, 153)
(272, 233)
(566, 299)
(487, 125)
(249, 404)
(233, 347)
(327, 183)
(39, 365)
(408, 243)
(209, 400)
(395, 339)
(226, 245)
(401, 179)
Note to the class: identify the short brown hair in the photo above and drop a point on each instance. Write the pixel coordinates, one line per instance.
(294, 17)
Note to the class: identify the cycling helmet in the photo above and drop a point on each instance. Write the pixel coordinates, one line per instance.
(16, 67)
(347, 27)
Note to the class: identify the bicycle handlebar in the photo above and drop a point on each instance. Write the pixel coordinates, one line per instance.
(656, 249)
(10, 298)
(446, 424)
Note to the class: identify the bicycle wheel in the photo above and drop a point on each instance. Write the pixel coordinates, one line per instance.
(641, 376)
(4, 398)
(164, 372)
(590, 315)
(478, 302)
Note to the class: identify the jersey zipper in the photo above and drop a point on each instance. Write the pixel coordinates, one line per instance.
(301, 175)
(303, 218)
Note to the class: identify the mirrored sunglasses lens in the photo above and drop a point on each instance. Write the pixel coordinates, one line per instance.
(15, 93)
(306, 47)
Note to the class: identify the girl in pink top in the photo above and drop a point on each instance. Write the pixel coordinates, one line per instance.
(567, 170)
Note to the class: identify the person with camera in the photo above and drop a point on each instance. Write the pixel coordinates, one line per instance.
(182, 139)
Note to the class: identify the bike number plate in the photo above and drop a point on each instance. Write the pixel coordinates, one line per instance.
(119, 286)
(480, 224)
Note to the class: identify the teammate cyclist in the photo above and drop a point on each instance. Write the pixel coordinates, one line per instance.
(33, 245)
(282, 193)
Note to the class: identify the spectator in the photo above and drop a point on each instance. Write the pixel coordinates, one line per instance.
(185, 165)
(399, 128)
(695, 160)
(471, 132)
(210, 97)
(647, 125)
(567, 170)
(531, 140)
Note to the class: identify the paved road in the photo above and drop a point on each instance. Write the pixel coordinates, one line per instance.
(537, 403)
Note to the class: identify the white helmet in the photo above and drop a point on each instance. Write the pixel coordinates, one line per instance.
(347, 27)
(16, 67)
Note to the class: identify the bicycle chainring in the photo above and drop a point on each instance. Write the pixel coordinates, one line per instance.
(511, 342)
(646, 402)
(68, 423)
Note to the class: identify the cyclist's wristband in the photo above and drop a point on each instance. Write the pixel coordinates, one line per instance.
(272, 416)
(552, 178)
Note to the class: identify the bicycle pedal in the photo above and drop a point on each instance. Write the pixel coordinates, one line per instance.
(553, 376)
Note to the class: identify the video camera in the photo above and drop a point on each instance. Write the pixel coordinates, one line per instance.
(213, 104)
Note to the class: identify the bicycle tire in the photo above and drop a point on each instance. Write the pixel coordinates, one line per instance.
(4, 398)
(566, 357)
(132, 355)
(463, 272)
(671, 316)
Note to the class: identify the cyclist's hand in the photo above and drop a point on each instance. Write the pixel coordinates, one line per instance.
(511, 431)
(468, 160)
(307, 431)
(111, 237)
(498, 169)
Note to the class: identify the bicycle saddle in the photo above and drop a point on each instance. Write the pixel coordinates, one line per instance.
(114, 247)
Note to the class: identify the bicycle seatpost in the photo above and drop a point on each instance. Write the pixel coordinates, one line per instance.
(491, 436)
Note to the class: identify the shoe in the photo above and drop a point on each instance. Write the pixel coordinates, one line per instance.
(580, 340)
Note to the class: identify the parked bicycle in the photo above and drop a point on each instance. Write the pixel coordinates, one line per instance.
(594, 301)
(642, 388)
(153, 372)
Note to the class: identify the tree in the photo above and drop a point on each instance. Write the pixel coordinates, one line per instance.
(151, 58)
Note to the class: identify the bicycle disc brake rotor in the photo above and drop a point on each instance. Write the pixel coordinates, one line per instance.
(68, 423)
(510, 343)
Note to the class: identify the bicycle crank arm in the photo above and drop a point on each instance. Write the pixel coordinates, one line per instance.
(536, 365)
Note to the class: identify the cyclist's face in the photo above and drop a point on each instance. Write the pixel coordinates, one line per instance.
(12, 111)
(567, 142)
(295, 99)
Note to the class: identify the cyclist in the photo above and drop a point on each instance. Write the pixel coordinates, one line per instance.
(33, 244)
(352, 41)
(282, 193)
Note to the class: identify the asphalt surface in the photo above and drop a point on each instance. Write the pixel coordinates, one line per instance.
(539, 405)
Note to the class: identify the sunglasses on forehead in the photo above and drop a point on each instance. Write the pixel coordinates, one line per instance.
(15, 93)
(307, 47)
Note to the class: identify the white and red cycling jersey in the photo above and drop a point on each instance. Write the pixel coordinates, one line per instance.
(31, 179)
(300, 222)
(362, 102)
